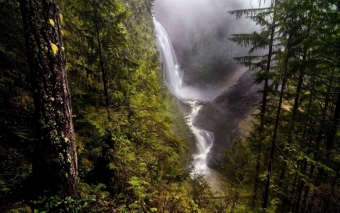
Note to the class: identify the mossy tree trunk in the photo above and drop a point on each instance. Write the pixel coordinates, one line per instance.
(55, 158)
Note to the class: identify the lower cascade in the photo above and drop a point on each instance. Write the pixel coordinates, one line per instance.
(173, 78)
(204, 141)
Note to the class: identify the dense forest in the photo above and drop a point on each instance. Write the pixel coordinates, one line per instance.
(86, 123)
(293, 150)
(122, 154)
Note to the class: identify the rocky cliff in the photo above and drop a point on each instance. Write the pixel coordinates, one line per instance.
(223, 115)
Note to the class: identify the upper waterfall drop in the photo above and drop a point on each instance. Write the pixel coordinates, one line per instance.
(173, 75)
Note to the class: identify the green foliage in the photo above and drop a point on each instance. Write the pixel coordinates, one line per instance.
(136, 155)
(201, 193)
(56, 204)
(92, 199)
(238, 160)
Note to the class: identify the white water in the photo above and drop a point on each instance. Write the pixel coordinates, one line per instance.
(173, 77)
(204, 141)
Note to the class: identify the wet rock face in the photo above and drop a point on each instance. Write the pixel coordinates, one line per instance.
(223, 115)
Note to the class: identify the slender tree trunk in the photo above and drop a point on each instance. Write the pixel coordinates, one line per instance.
(304, 201)
(55, 159)
(257, 172)
(298, 89)
(300, 189)
(293, 190)
(263, 109)
(335, 124)
(273, 144)
(104, 77)
(270, 53)
(291, 129)
(321, 131)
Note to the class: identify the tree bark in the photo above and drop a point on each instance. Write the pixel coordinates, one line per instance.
(55, 166)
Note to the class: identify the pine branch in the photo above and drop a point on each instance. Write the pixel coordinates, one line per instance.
(259, 41)
(260, 20)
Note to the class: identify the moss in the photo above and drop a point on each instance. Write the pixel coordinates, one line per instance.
(54, 48)
(69, 158)
(61, 18)
(61, 157)
(52, 22)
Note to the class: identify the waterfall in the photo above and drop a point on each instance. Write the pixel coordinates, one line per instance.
(173, 78)
(204, 141)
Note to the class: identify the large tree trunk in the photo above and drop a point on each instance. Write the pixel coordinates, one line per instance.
(55, 157)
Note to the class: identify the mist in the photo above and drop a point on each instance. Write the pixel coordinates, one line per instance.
(199, 31)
